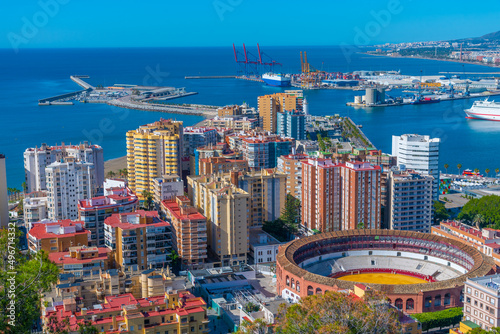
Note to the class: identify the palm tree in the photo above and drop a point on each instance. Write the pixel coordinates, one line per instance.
(25, 187)
(459, 166)
(476, 170)
(478, 220)
(497, 170)
(148, 199)
(446, 168)
(487, 171)
(110, 174)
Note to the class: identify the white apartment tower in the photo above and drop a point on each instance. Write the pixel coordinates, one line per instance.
(419, 153)
(68, 182)
(38, 158)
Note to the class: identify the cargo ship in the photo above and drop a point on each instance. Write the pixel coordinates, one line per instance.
(486, 110)
(425, 100)
(276, 80)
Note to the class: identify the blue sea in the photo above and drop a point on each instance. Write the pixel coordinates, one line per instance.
(33, 74)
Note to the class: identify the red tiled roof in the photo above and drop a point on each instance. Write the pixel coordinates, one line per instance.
(39, 230)
(115, 221)
(175, 210)
(64, 258)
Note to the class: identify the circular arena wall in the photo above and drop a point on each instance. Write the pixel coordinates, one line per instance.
(295, 281)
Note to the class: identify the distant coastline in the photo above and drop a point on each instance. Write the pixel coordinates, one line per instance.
(438, 59)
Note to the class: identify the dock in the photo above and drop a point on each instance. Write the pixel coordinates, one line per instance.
(54, 100)
(78, 80)
(242, 77)
(472, 96)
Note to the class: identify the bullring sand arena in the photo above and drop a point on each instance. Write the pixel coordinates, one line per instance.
(382, 278)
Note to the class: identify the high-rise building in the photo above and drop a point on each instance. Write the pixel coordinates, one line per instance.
(189, 231)
(409, 201)
(140, 239)
(94, 211)
(67, 183)
(339, 196)
(267, 191)
(291, 124)
(360, 195)
(270, 105)
(226, 208)
(153, 150)
(38, 158)
(419, 153)
(195, 137)
(4, 199)
(263, 151)
(291, 166)
(213, 165)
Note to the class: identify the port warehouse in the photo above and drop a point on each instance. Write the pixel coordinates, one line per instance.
(357, 248)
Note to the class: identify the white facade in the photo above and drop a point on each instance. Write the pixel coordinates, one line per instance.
(4, 199)
(168, 187)
(197, 137)
(35, 209)
(419, 153)
(68, 182)
(409, 201)
(37, 159)
(263, 247)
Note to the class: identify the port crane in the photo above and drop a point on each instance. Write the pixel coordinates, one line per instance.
(254, 65)
(309, 73)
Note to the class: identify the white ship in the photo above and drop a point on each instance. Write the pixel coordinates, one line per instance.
(487, 110)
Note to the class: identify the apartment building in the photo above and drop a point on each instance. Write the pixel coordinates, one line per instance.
(82, 260)
(419, 153)
(4, 199)
(171, 312)
(140, 239)
(58, 236)
(189, 231)
(227, 209)
(291, 165)
(67, 183)
(482, 301)
(291, 124)
(485, 240)
(35, 207)
(38, 158)
(214, 165)
(270, 105)
(235, 123)
(267, 191)
(194, 137)
(410, 200)
(153, 150)
(340, 196)
(167, 187)
(94, 211)
(262, 151)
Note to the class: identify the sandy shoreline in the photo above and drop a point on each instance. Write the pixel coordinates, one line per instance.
(115, 164)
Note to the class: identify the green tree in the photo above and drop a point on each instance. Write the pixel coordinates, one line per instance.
(148, 200)
(487, 171)
(479, 330)
(440, 212)
(440, 319)
(334, 312)
(459, 166)
(478, 220)
(487, 206)
(446, 168)
(175, 260)
(497, 170)
(259, 326)
(110, 174)
(25, 187)
(251, 307)
(34, 275)
(290, 215)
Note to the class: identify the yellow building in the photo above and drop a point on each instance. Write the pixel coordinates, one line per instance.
(171, 312)
(226, 208)
(465, 327)
(270, 105)
(153, 150)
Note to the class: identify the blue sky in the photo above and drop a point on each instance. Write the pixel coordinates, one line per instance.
(109, 23)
